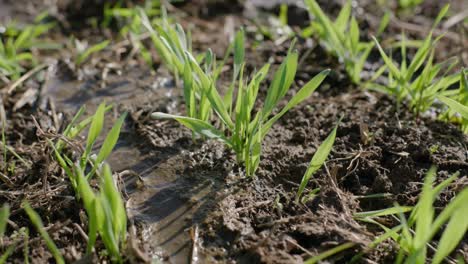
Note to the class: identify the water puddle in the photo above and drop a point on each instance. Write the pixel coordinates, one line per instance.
(160, 198)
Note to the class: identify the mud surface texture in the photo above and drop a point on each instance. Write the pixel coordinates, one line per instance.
(190, 202)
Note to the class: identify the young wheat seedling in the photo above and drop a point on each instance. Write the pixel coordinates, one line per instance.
(342, 37)
(245, 130)
(414, 235)
(421, 81)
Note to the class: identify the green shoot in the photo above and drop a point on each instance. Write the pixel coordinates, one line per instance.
(15, 48)
(409, 3)
(7, 253)
(96, 125)
(341, 40)
(415, 233)
(84, 54)
(106, 212)
(283, 14)
(245, 129)
(330, 253)
(317, 161)
(421, 81)
(105, 209)
(37, 222)
(175, 49)
(458, 103)
(4, 215)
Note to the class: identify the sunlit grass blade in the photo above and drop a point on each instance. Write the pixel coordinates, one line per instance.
(341, 21)
(5, 254)
(89, 199)
(211, 93)
(239, 57)
(93, 49)
(84, 189)
(453, 233)
(95, 128)
(304, 93)
(330, 253)
(201, 127)
(354, 35)
(282, 80)
(4, 215)
(419, 57)
(189, 91)
(78, 128)
(425, 211)
(317, 161)
(328, 26)
(111, 139)
(457, 203)
(37, 222)
(383, 212)
(383, 23)
(454, 105)
(391, 66)
(116, 203)
(254, 86)
(441, 15)
(107, 231)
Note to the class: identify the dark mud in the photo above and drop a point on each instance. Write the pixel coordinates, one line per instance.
(257, 220)
(189, 201)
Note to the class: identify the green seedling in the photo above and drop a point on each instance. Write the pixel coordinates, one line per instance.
(246, 130)
(128, 18)
(342, 37)
(4, 215)
(174, 47)
(329, 253)
(283, 14)
(15, 47)
(458, 104)
(105, 209)
(421, 81)
(37, 222)
(84, 54)
(24, 232)
(96, 123)
(414, 235)
(409, 3)
(317, 161)
(106, 212)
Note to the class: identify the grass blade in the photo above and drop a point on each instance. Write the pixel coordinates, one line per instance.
(111, 140)
(384, 212)
(454, 232)
(37, 222)
(301, 95)
(341, 21)
(454, 105)
(330, 253)
(95, 48)
(95, 128)
(112, 194)
(392, 68)
(282, 80)
(4, 215)
(317, 161)
(201, 127)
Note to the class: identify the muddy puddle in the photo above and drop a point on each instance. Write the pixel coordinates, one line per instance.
(160, 198)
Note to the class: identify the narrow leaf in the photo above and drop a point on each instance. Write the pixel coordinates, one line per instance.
(317, 161)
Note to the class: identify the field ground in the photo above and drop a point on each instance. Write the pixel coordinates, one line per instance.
(189, 201)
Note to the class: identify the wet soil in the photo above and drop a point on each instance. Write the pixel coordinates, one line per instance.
(189, 201)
